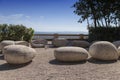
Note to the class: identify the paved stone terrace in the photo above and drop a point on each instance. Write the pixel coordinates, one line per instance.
(45, 67)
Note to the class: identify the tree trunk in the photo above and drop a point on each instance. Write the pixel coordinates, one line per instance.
(98, 23)
(88, 23)
(116, 23)
(119, 23)
(102, 22)
(106, 22)
(95, 24)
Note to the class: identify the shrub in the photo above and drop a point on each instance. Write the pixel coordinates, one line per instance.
(15, 32)
(104, 33)
(28, 34)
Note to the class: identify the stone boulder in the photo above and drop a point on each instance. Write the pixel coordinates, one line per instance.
(6, 43)
(38, 43)
(79, 43)
(119, 50)
(18, 54)
(70, 54)
(103, 50)
(21, 43)
(59, 42)
(116, 43)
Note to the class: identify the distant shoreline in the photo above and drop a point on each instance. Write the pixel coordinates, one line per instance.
(81, 32)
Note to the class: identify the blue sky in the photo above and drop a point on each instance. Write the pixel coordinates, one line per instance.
(41, 15)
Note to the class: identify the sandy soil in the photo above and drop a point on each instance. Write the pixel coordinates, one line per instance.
(45, 67)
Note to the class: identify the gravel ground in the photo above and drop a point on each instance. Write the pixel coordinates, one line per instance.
(45, 67)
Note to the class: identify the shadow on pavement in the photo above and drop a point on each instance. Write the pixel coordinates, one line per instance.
(7, 66)
(56, 62)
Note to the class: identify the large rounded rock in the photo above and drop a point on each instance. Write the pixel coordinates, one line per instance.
(38, 43)
(70, 54)
(103, 50)
(59, 42)
(116, 43)
(119, 50)
(6, 43)
(21, 43)
(18, 54)
(83, 44)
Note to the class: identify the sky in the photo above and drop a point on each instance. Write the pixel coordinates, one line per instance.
(42, 15)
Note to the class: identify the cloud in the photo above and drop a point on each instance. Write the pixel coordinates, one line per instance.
(11, 17)
(41, 23)
(19, 19)
(42, 17)
(28, 17)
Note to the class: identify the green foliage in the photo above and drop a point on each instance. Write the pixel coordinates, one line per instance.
(104, 33)
(28, 34)
(100, 12)
(15, 32)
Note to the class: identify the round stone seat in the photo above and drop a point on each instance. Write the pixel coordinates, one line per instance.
(21, 43)
(6, 43)
(116, 43)
(70, 54)
(81, 43)
(103, 50)
(18, 54)
(119, 50)
(60, 42)
(38, 43)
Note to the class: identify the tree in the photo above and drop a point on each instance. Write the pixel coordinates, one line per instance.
(101, 12)
(15, 32)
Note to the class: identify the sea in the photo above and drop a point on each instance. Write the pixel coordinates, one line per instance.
(62, 32)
